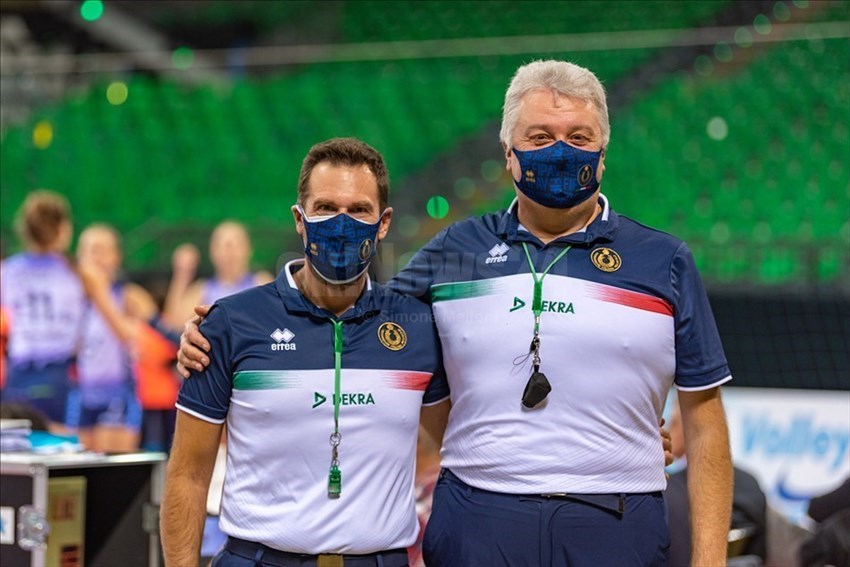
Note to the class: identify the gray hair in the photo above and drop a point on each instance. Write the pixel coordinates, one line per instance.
(567, 79)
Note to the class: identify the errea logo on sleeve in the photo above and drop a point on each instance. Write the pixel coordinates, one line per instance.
(283, 339)
(498, 254)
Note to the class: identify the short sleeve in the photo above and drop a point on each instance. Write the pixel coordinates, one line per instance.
(700, 360)
(438, 388)
(416, 279)
(207, 394)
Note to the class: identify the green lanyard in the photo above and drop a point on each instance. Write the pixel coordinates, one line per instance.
(537, 302)
(335, 476)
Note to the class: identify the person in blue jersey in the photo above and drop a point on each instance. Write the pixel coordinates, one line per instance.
(322, 377)
(46, 297)
(104, 408)
(563, 325)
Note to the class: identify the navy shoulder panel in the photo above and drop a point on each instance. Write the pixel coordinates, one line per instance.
(631, 231)
(476, 231)
(250, 302)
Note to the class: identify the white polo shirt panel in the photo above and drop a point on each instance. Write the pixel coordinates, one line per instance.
(597, 432)
(624, 317)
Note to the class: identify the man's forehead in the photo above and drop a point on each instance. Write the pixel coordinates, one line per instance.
(326, 170)
(550, 101)
(541, 109)
(555, 98)
(334, 182)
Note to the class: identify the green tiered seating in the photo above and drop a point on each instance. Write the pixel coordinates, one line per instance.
(779, 180)
(378, 20)
(175, 158)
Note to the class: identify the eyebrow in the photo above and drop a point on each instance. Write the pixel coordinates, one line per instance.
(547, 127)
(362, 204)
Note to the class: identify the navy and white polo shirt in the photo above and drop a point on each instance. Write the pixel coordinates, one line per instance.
(271, 376)
(625, 316)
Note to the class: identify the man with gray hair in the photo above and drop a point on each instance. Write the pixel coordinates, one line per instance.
(563, 326)
(560, 355)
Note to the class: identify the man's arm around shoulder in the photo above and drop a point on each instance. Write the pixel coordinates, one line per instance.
(187, 481)
(709, 474)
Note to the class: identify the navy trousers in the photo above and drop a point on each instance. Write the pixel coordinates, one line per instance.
(470, 527)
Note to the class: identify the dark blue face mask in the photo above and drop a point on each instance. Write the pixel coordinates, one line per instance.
(340, 247)
(558, 176)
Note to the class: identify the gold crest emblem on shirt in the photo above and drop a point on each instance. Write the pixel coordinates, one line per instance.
(392, 336)
(606, 259)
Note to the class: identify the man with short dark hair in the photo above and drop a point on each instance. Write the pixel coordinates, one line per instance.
(320, 376)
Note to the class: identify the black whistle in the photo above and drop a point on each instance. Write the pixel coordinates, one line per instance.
(536, 390)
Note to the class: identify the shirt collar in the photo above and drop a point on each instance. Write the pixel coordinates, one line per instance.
(603, 228)
(295, 301)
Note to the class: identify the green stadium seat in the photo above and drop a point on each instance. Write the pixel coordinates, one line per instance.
(778, 265)
(833, 262)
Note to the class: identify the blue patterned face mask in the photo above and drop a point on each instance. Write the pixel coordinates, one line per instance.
(340, 247)
(558, 176)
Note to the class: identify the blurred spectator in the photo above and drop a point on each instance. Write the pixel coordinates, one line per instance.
(826, 505)
(4, 335)
(230, 254)
(829, 546)
(104, 408)
(157, 380)
(749, 507)
(44, 296)
(158, 384)
(830, 543)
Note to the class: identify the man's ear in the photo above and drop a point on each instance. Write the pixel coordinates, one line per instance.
(601, 168)
(386, 219)
(508, 153)
(299, 220)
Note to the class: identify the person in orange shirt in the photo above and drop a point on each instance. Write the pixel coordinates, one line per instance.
(157, 387)
(4, 333)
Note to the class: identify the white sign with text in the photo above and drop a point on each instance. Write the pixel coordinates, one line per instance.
(795, 442)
